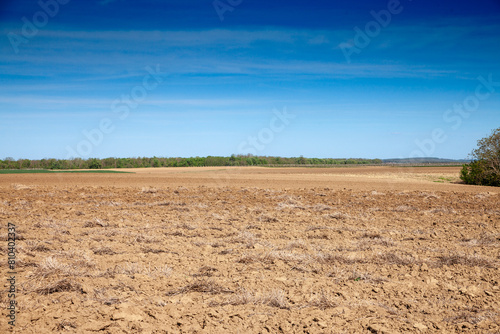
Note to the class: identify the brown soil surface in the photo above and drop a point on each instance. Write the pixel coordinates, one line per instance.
(252, 250)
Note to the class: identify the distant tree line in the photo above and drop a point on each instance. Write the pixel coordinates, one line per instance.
(233, 160)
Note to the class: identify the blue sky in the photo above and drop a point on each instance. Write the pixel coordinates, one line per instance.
(373, 79)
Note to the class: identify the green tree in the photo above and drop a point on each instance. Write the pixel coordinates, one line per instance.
(301, 160)
(95, 164)
(55, 164)
(26, 163)
(485, 166)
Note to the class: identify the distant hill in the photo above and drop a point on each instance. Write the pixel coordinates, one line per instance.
(426, 160)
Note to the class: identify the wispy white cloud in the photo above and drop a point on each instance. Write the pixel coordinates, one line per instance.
(37, 101)
(111, 55)
(183, 38)
(95, 70)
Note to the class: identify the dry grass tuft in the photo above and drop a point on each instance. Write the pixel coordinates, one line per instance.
(368, 243)
(321, 207)
(205, 271)
(392, 258)
(482, 196)
(442, 210)
(201, 285)
(274, 298)
(287, 256)
(485, 239)
(176, 234)
(153, 250)
(372, 235)
(51, 266)
(290, 203)
(252, 227)
(63, 285)
(36, 246)
(376, 193)
(101, 296)
(472, 316)
(187, 227)
(464, 260)
(251, 258)
(300, 244)
(226, 251)
(243, 297)
(96, 223)
(149, 190)
(104, 251)
(267, 219)
(146, 239)
(216, 216)
(404, 208)
(429, 196)
(18, 186)
(365, 277)
(338, 258)
(338, 215)
(246, 238)
(322, 301)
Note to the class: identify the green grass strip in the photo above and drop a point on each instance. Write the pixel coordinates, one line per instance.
(47, 171)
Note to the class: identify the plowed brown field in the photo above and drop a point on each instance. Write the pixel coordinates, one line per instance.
(252, 250)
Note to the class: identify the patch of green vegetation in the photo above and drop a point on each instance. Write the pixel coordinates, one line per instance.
(91, 171)
(432, 165)
(484, 169)
(23, 171)
(46, 171)
(443, 179)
